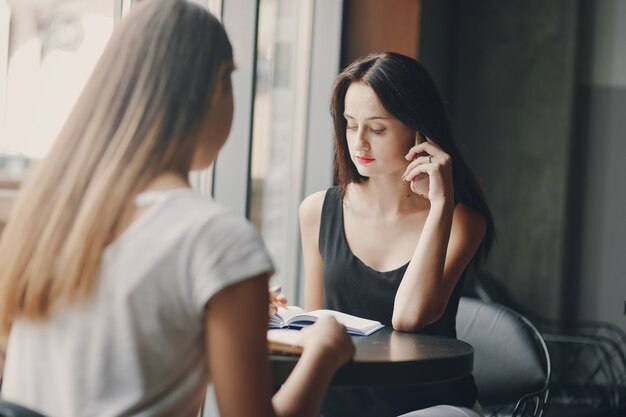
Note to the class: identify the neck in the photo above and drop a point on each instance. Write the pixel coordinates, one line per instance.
(167, 181)
(384, 196)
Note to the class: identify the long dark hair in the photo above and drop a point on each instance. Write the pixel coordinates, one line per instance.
(407, 91)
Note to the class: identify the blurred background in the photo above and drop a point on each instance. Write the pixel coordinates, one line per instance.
(536, 92)
(537, 96)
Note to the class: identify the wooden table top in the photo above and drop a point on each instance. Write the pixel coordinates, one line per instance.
(388, 357)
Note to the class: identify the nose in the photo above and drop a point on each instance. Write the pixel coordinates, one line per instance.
(360, 140)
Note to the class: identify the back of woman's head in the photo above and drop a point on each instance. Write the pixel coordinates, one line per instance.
(135, 119)
(407, 91)
(155, 79)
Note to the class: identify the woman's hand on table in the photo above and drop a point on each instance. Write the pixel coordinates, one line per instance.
(328, 339)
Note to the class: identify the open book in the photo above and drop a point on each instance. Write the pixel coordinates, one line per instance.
(295, 317)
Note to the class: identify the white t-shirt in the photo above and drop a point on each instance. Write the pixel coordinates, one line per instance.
(137, 346)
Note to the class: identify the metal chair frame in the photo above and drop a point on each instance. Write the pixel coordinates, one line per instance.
(606, 339)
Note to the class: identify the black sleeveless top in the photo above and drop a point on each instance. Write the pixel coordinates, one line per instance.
(354, 288)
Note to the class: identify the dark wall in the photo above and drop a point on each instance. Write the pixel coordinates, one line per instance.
(598, 174)
(508, 70)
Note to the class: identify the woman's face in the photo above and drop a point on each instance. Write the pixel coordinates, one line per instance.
(215, 127)
(377, 141)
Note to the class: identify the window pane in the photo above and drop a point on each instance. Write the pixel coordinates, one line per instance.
(283, 53)
(52, 49)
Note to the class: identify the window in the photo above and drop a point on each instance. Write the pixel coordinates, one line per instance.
(287, 55)
(48, 54)
(280, 147)
(279, 129)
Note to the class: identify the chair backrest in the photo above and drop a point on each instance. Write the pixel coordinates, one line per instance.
(9, 409)
(511, 361)
(483, 285)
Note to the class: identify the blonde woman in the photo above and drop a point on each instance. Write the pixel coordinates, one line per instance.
(121, 291)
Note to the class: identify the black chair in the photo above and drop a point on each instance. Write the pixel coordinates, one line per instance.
(9, 409)
(588, 358)
(511, 361)
(480, 284)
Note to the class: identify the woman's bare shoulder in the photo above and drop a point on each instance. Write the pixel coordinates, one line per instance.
(311, 207)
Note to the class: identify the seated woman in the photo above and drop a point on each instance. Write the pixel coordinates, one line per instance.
(122, 292)
(393, 240)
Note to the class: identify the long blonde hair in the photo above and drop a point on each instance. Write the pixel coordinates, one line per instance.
(134, 120)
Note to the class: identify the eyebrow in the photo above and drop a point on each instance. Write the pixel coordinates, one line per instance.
(347, 116)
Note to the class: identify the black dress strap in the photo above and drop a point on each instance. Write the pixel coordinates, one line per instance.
(331, 225)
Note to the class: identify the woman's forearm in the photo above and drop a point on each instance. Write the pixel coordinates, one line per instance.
(421, 298)
(303, 391)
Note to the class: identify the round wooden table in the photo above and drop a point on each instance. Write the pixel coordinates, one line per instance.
(388, 357)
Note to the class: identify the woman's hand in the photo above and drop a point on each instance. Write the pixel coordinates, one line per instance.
(430, 172)
(277, 299)
(329, 340)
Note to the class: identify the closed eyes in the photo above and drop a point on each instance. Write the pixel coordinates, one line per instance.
(375, 131)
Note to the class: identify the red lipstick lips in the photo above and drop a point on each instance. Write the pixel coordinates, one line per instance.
(364, 160)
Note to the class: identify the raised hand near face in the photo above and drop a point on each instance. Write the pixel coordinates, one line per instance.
(430, 171)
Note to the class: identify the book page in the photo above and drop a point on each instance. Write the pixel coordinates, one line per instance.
(283, 314)
(354, 324)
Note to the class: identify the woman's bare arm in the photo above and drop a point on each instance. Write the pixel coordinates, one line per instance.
(448, 241)
(236, 341)
(310, 214)
(445, 248)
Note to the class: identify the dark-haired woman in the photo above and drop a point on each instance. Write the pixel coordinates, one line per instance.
(393, 239)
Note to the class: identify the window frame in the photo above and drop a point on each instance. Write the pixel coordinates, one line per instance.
(231, 180)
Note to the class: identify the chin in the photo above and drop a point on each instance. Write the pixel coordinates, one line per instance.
(360, 170)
